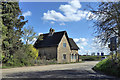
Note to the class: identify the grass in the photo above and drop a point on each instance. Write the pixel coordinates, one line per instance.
(40, 64)
(109, 66)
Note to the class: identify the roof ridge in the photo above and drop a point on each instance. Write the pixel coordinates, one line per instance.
(55, 32)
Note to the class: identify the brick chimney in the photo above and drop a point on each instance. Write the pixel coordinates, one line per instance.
(51, 32)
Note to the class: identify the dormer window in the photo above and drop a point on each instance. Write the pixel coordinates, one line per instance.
(64, 44)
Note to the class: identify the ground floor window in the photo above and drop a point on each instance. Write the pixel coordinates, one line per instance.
(72, 56)
(75, 56)
(64, 56)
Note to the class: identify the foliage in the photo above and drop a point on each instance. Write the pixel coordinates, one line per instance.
(108, 20)
(45, 62)
(29, 34)
(109, 66)
(14, 52)
(12, 24)
(22, 58)
(32, 52)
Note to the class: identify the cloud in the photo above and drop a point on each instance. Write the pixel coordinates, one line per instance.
(81, 41)
(52, 22)
(91, 45)
(62, 24)
(98, 46)
(70, 12)
(28, 13)
(40, 33)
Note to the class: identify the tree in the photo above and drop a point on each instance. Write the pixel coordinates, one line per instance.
(12, 24)
(29, 34)
(108, 20)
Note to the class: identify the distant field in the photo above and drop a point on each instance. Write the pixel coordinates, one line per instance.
(91, 58)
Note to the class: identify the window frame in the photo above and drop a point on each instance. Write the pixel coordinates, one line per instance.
(64, 45)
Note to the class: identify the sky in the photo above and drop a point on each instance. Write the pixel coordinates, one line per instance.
(69, 16)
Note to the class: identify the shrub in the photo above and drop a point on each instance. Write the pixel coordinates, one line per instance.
(32, 52)
(109, 66)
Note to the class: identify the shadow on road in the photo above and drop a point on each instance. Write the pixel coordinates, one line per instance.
(60, 74)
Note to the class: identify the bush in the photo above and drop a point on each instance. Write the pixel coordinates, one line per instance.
(45, 62)
(32, 52)
(109, 66)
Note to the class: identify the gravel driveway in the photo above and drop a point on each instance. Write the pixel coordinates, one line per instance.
(75, 70)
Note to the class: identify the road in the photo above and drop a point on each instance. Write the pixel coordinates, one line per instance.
(74, 70)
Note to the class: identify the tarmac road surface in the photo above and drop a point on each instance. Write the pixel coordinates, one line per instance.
(74, 70)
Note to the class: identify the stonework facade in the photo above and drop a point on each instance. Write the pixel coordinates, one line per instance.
(61, 50)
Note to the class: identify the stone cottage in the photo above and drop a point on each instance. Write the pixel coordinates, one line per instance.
(57, 45)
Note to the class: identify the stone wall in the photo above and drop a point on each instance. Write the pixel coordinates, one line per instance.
(61, 50)
(48, 53)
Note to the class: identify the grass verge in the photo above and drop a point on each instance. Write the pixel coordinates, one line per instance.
(108, 66)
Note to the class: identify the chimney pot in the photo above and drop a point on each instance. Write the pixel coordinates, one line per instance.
(51, 31)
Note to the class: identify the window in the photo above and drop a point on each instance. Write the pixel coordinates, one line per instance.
(64, 44)
(75, 56)
(64, 56)
(72, 56)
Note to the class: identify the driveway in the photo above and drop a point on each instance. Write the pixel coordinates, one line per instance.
(75, 70)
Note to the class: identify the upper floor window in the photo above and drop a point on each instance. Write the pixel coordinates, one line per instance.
(64, 44)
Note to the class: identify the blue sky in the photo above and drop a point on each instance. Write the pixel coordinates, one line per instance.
(68, 16)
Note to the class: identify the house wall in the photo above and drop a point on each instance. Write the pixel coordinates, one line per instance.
(74, 52)
(48, 53)
(57, 52)
(63, 50)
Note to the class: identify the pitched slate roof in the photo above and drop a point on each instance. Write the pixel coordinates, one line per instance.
(73, 45)
(44, 40)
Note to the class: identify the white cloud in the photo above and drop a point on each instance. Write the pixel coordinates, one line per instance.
(62, 24)
(99, 47)
(90, 46)
(81, 41)
(71, 12)
(28, 13)
(53, 15)
(40, 33)
(52, 22)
